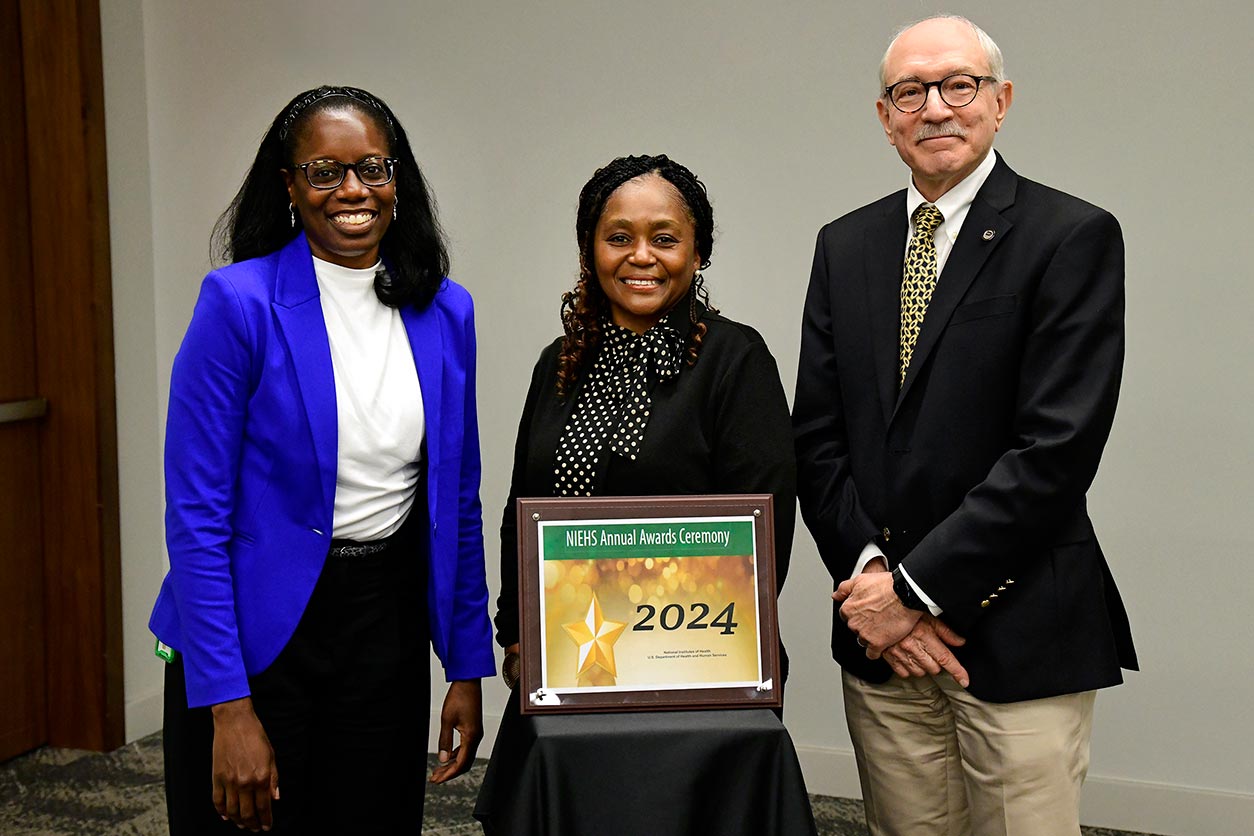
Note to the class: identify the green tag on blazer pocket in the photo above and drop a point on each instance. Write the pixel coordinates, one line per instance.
(165, 652)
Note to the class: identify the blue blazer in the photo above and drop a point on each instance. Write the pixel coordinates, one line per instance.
(250, 467)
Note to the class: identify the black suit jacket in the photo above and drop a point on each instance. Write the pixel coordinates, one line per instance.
(973, 475)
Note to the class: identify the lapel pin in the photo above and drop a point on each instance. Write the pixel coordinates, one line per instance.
(988, 234)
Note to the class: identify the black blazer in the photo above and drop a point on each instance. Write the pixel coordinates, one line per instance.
(720, 426)
(974, 474)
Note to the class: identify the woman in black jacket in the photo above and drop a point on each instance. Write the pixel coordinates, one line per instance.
(650, 391)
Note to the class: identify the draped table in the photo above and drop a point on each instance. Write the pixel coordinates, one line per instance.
(661, 773)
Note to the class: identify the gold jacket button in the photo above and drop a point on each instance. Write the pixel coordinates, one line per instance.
(984, 603)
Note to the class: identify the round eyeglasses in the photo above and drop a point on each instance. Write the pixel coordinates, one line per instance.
(957, 90)
(329, 174)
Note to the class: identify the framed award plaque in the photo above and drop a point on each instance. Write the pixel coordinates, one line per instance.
(640, 603)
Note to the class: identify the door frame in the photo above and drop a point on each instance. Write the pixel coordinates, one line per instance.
(63, 82)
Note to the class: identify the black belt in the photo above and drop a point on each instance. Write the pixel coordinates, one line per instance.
(351, 548)
(354, 548)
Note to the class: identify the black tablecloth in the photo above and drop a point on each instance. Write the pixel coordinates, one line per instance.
(663, 773)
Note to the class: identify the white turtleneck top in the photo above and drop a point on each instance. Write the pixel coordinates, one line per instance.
(378, 403)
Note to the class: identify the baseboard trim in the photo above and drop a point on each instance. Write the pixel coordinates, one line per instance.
(143, 715)
(1168, 809)
(1141, 806)
(830, 771)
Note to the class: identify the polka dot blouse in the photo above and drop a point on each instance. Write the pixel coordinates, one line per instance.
(612, 410)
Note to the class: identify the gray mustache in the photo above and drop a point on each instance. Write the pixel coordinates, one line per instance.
(932, 130)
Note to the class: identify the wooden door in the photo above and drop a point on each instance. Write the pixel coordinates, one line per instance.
(23, 684)
(60, 575)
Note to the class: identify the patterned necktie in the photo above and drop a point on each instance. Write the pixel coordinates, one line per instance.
(918, 280)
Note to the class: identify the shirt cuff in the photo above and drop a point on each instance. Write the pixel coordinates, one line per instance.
(931, 605)
(869, 552)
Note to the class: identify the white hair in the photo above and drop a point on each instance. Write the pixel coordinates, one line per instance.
(992, 52)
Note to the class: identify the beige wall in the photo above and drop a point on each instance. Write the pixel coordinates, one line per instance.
(511, 107)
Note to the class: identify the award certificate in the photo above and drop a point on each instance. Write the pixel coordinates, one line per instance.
(633, 603)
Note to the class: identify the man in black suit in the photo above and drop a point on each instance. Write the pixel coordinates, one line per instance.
(961, 352)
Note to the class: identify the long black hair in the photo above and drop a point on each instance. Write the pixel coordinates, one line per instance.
(258, 220)
(586, 306)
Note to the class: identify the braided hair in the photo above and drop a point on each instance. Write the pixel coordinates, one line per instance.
(586, 306)
(257, 221)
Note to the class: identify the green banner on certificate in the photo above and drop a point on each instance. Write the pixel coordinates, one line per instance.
(648, 539)
(649, 604)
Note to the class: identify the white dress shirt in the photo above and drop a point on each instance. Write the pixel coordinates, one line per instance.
(954, 206)
(378, 405)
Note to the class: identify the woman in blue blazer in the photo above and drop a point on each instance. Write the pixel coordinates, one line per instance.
(322, 494)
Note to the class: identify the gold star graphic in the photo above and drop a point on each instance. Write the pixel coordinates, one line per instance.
(595, 637)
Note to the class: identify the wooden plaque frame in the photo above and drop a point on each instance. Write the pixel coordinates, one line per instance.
(665, 534)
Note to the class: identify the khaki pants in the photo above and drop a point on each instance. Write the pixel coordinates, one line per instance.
(935, 761)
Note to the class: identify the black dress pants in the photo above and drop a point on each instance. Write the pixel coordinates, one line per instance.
(345, 705)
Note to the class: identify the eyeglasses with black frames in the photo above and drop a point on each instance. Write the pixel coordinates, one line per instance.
(957, 90)
(329, 174)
